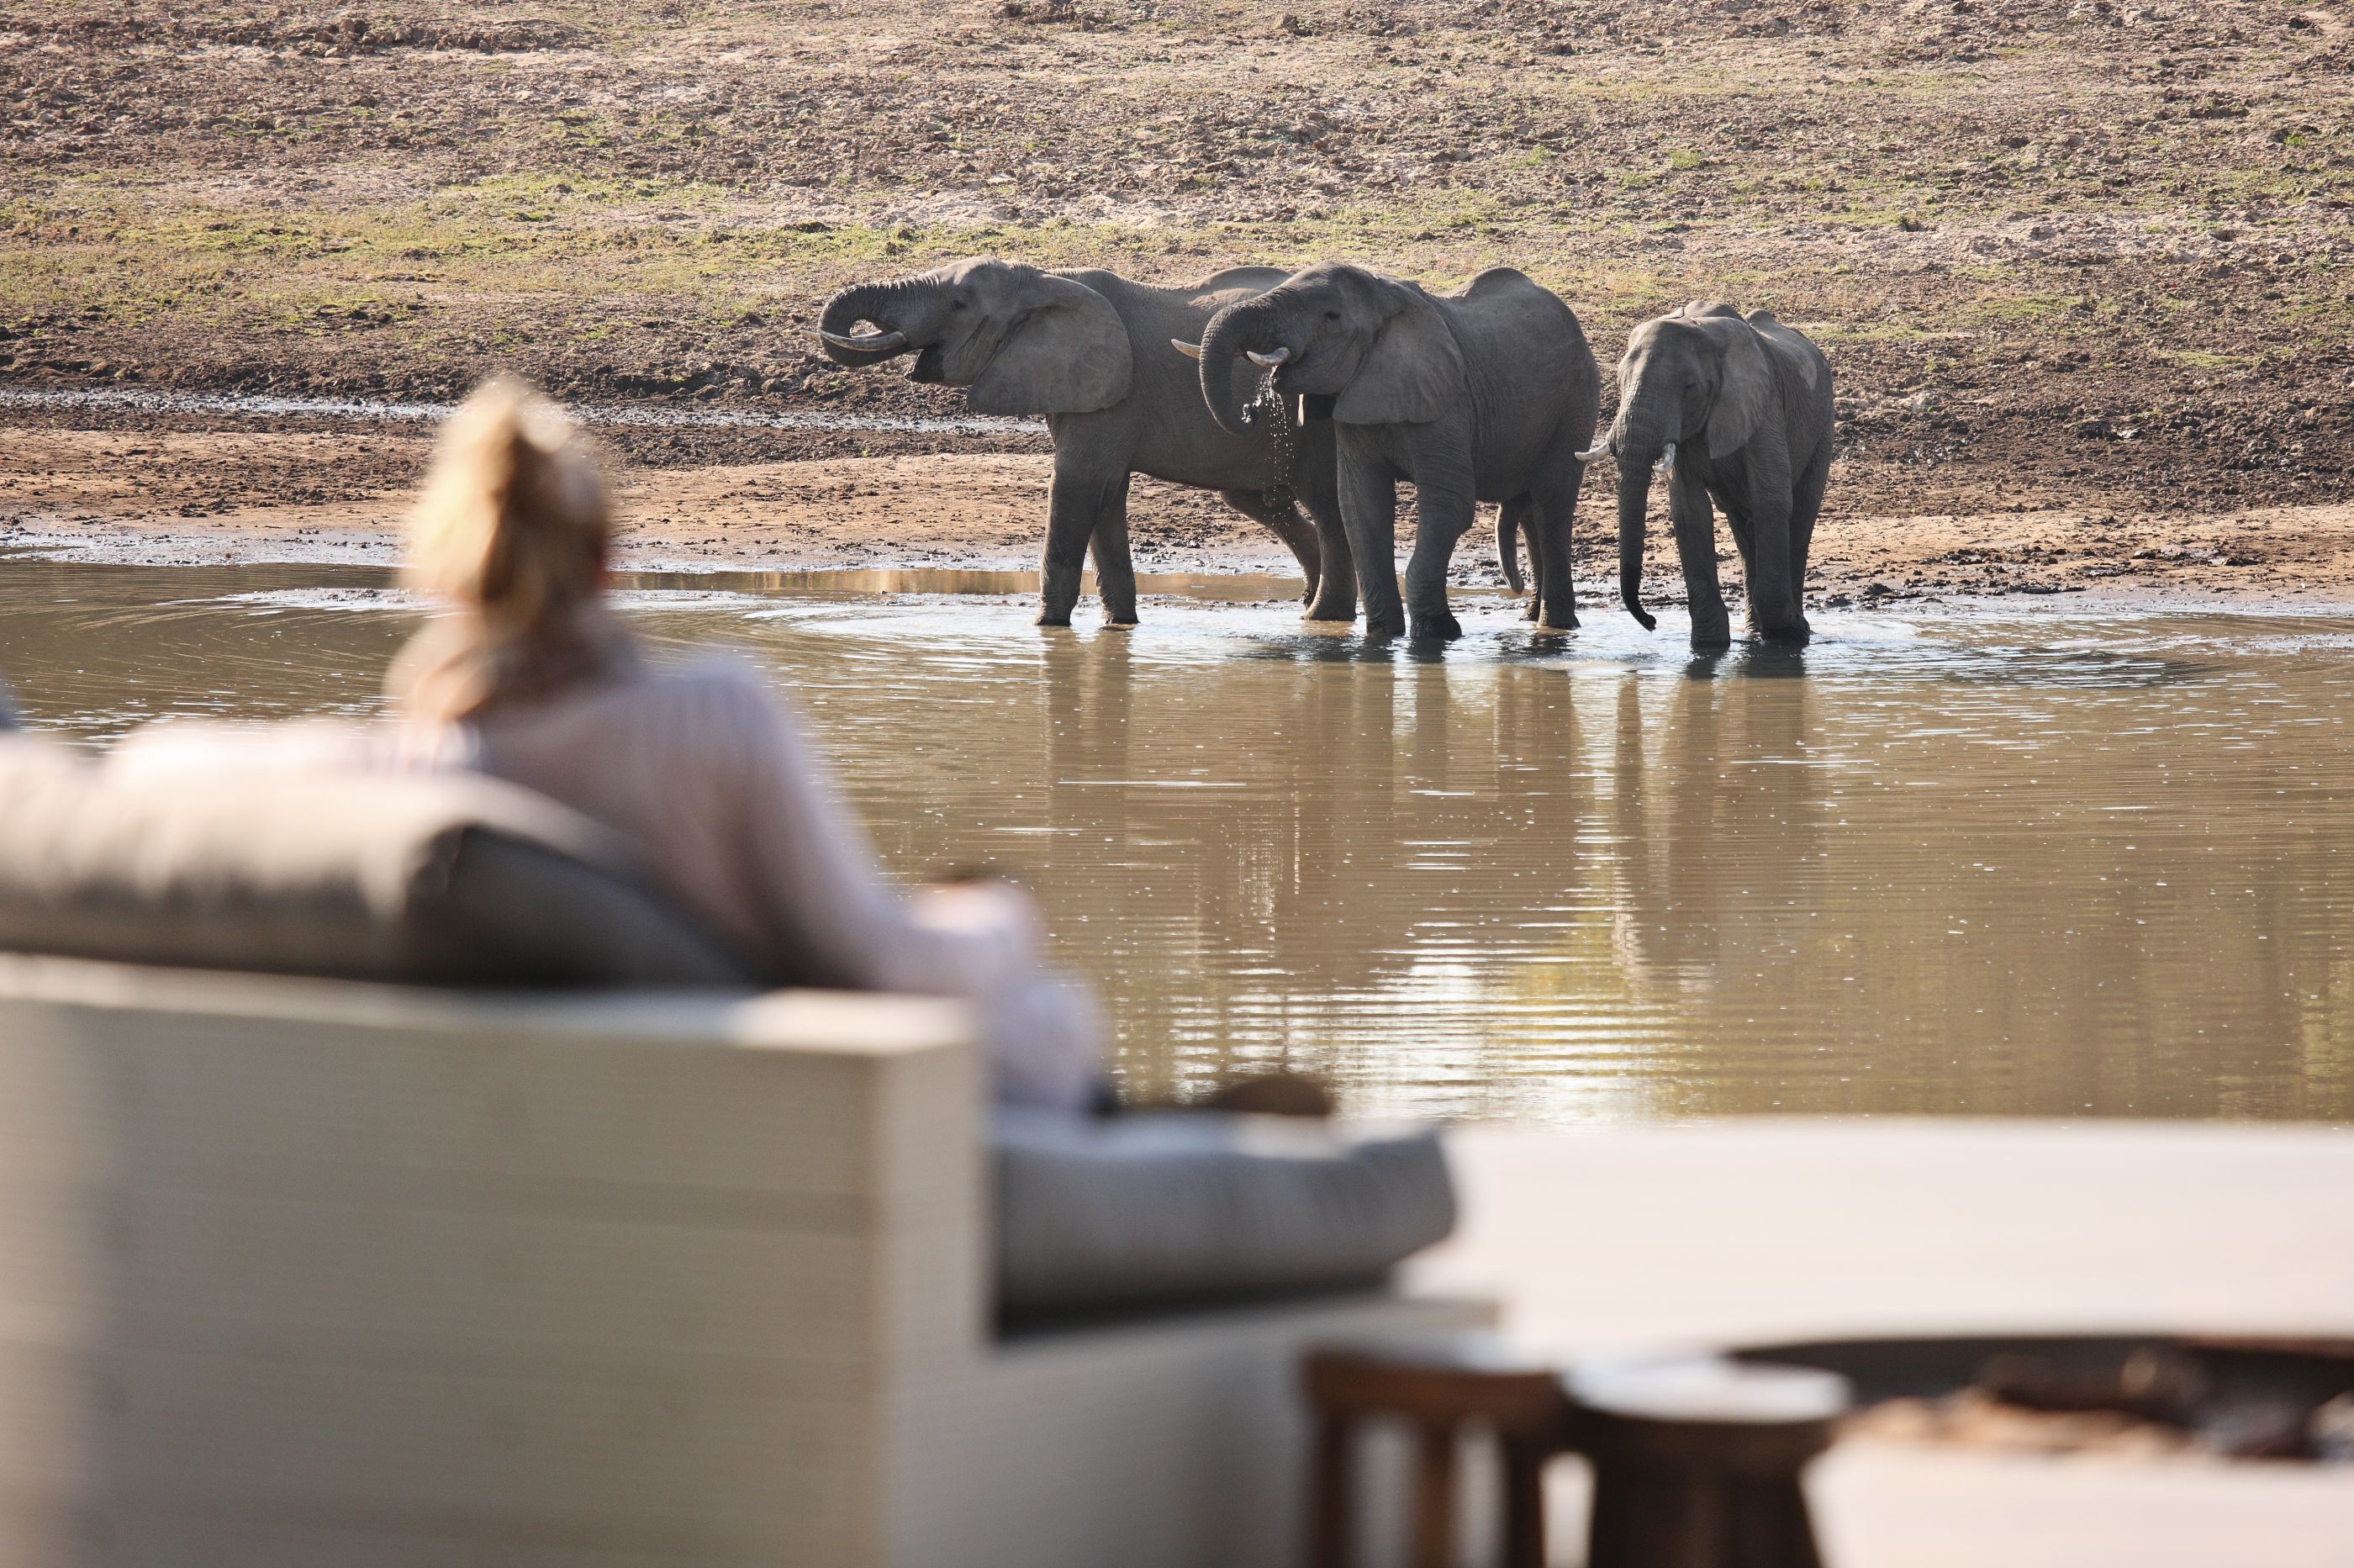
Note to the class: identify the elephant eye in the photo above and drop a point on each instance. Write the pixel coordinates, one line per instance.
(956, 305)
(1332, 316)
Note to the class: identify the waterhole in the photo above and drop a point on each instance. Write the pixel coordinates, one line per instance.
(2067, 864)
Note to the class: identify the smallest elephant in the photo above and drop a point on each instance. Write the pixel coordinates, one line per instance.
(1737, 409)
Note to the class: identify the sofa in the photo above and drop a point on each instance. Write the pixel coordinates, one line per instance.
(521, 1229)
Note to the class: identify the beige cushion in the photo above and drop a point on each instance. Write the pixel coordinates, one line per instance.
(446, 878)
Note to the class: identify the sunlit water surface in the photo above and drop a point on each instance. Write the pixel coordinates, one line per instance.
(2052, 862)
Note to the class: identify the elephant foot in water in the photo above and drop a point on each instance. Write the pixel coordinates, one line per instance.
(1711, 630)
(1436, 626)
(1785, 631)
(1329, 596)
(1331, 607)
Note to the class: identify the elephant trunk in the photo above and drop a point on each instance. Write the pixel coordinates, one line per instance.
(1640, 435)
(1232, 330)
(862, 303)
(1634, 498)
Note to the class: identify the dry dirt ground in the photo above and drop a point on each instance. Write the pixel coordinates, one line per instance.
(207, 498)
(2081, 268)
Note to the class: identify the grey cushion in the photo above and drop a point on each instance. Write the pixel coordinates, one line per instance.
(442, 878)
(1127, 1212)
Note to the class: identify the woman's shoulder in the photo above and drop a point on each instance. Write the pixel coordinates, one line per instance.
(718, 696)
(721, 677)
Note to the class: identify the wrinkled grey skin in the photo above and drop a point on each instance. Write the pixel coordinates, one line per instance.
(1488, 395)
(1092, 352)
(1747, 404)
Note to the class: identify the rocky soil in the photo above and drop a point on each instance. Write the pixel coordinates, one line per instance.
(2072, 260)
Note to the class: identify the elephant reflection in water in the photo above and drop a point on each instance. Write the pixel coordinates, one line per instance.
(1255, 917)
(1088, 713)
(1722, 826)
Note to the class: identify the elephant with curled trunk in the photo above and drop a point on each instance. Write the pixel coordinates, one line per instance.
(1090, 350)
(1737, 409)
(1486, 395)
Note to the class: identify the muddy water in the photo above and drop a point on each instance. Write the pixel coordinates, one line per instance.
(2064, 864)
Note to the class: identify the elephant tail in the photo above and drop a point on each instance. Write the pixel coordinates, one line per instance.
(1508, 544)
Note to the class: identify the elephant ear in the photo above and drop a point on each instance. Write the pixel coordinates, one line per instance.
(1067, 353)
(1414, 372)
(1796, 353)
(1745, 395)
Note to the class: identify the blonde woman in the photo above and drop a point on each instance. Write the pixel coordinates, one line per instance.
(528, 674)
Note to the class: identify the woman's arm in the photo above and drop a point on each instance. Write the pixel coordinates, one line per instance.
(825, 900)
(822, 896)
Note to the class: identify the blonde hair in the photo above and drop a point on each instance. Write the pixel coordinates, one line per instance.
(510, 533)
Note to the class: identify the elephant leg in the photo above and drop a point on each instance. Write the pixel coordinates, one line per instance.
(1073, 504)
(1773, 596)
(1369, 512)
(1554, 501)
(1444, 510)
(1806, 505)
(1336, 587)
(1314, 479)
(1745, 544)
(1115, 573)
(1695, 524)
(1286, 524)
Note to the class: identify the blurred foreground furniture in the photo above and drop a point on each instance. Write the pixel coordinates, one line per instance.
(1697, 1459)
(317, 1273)
(1441, 1388)
(331, 1272)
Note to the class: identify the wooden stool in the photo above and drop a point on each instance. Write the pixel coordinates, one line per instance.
(1437, 1386)
(1696, 1462)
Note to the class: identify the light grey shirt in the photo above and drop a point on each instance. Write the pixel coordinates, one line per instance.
(711, 777)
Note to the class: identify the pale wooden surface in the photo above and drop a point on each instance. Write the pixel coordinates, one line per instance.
(1702, 1233)
(1755, 1231)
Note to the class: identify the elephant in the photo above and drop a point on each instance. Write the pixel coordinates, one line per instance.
(1091, 350)
(1486, 395)
(1737, 409)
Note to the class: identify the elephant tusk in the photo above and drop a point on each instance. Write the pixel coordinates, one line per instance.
(1667, 459)
(1190, 350)
(870, 343)
(1595, 454)
(1268, 361)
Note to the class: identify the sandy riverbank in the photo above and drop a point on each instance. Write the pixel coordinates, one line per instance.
(239, 496)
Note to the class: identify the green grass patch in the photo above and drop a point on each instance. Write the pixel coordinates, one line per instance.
(2196, 359)
(1995, 310)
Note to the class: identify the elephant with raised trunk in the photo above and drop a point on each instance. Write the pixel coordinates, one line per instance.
(1091, 350)
(1486, 395)
(1737, 411)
